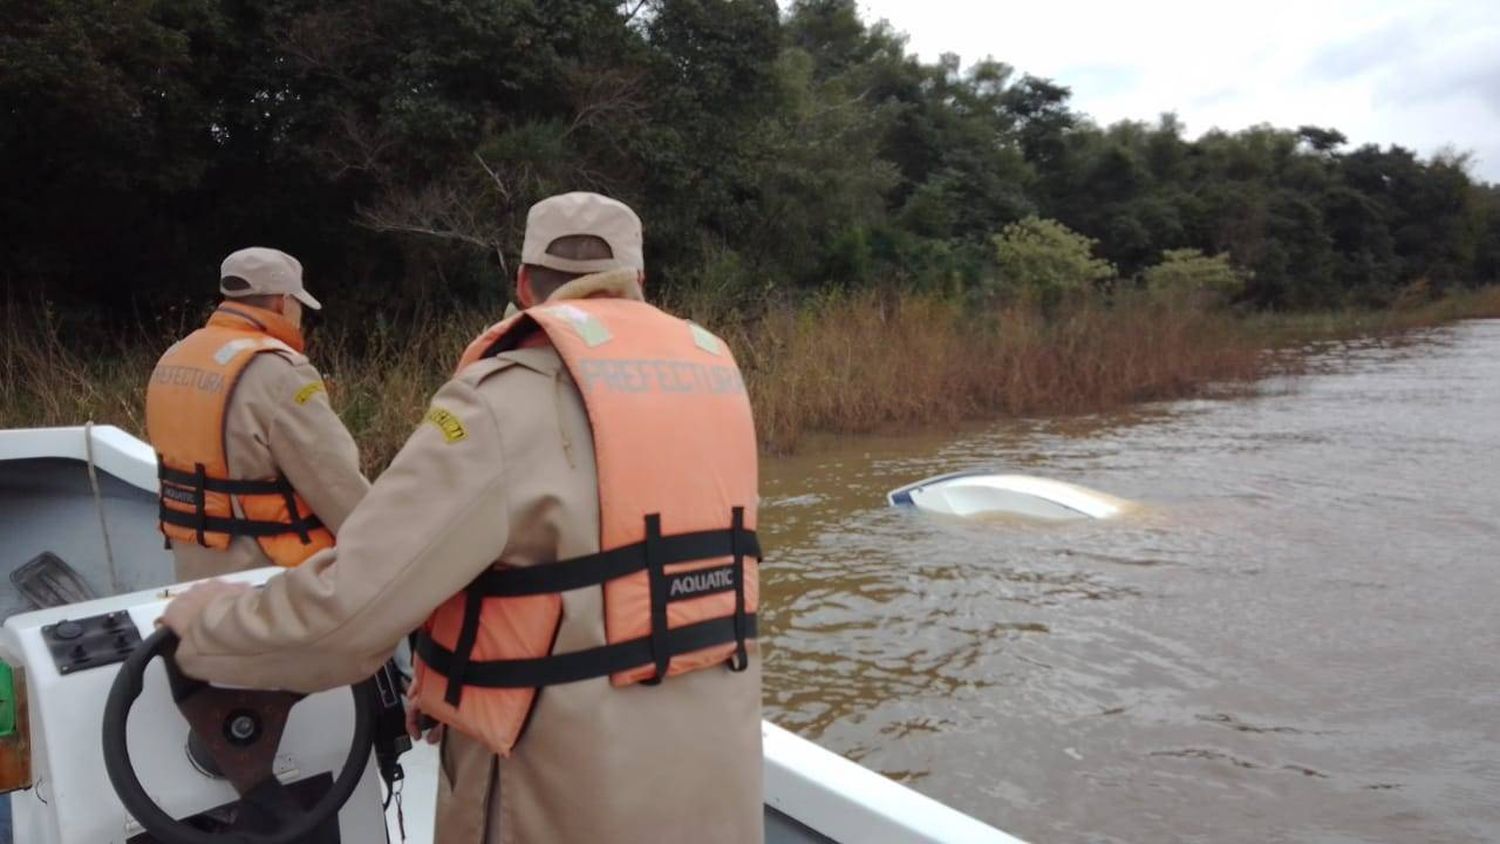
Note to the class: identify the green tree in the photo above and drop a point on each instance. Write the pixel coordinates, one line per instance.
(1045, 261)
(395, 145)
(1187, 275)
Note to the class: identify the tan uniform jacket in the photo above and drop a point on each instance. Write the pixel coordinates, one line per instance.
(276, 422)
(678, 762)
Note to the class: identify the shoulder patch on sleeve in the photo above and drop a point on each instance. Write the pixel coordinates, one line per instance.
(705, 340)
(451, 426)
(305, 394)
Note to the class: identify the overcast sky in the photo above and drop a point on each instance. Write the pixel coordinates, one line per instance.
(1420, 73)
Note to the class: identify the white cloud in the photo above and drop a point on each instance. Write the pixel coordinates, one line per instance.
(1425, 75)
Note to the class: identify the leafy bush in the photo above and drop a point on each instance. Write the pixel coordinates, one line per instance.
(1044, 261)
(1189, 275)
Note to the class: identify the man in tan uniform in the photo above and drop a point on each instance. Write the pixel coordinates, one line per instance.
(277, 421)
(503, 469)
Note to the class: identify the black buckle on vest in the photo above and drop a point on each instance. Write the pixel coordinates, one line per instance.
(741, 659)
(463, 649)
(656, 574)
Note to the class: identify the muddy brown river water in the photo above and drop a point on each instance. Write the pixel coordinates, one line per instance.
(1296, 640)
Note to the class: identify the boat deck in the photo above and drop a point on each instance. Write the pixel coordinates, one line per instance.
(47, 504)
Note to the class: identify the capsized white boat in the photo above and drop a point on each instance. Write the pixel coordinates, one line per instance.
(88, 495)
(992, 494)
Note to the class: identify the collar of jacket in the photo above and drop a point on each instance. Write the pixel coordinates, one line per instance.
(239, 315)
(614, 284)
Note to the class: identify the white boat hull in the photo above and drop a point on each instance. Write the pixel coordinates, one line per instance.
(970, 494)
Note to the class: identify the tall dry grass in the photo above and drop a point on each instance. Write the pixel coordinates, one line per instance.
(379, 377)
(840, 363)
(381, 380)
(865, 361)
(46, 379)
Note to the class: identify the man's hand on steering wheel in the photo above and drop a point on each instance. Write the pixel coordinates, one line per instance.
(186, 607)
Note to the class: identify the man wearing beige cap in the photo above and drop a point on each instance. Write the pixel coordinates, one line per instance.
(572, 531)
(256, 469)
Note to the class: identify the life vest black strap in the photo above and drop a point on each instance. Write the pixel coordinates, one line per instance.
(580, 665)
(235, 526)
(468, 633)
(656, 576)
(289, 500)
(595, 569)
(741, 659)
(200, 503)
(198, 483)
(212, 484)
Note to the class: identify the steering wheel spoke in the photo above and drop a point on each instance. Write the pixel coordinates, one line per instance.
(240, 729)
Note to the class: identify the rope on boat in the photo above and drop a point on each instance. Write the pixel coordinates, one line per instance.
(109, 554)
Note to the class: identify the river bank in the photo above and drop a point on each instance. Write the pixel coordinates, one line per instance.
(841, 363)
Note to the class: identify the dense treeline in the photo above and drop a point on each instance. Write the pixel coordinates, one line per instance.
(394, 145)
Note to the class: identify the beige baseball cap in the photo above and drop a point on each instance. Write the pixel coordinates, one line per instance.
(259, 271)
(582, 213)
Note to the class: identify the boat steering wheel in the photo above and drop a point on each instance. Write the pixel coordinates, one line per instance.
(240, 730)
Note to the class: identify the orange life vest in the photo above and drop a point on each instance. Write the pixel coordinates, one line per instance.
(186, 404)
(676, 454)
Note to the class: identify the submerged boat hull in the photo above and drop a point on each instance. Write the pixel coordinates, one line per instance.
(970, 494)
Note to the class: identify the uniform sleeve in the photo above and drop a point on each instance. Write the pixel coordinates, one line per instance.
(312, 447)
(433, 521)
